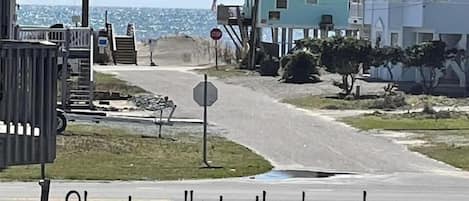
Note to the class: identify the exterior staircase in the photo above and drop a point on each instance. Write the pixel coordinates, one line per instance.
(125, 51)
(80, 86)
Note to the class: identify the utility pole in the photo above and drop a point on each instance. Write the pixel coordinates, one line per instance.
(7, 18)
(85, 12)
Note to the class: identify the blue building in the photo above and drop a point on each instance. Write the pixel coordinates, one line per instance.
(301, 13)
(281, 18)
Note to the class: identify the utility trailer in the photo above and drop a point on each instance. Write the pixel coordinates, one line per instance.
(162, 117)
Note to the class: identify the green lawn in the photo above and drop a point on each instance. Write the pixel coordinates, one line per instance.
(445, 139)
(102, 153)
(108, 82)
(225, 71)
(405, 123)
(456, 156)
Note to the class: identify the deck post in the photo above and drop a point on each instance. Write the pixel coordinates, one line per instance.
(284, 39)
(306, 33)
(85, 6)
(275, 35)
(290, 39)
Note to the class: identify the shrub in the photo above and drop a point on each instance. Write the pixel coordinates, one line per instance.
(389, 102)
(300, 67)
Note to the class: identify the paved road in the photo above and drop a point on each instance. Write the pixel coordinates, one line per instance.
(290, 138)
(403, 187)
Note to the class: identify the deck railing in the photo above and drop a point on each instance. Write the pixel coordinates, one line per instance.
(77, 37)
(226, 13)
(28, 93)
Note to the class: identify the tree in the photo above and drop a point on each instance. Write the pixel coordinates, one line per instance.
(387, 57)
(300, 67)
(344, 56)
(428, 57)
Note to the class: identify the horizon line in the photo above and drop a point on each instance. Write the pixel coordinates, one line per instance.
(100, 6)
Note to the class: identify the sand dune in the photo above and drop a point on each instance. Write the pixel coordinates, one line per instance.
(178, 50)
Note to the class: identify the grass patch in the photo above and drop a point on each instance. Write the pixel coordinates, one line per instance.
(406, 122)
(453, 155)
(225, 71)
(108, 82)
(320, 102)
(406, 102)
(446, 139)
(102, 153)
(420, 100)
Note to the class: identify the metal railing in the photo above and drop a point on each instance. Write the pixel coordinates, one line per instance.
(28, 99)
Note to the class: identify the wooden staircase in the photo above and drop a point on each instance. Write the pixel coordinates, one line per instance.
(125, 51)
(80, 86)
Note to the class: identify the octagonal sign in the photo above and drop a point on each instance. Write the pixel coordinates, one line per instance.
(199, 92)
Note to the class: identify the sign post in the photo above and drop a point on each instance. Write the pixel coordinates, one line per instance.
(216, 34)
(205, 94)
(152, 44)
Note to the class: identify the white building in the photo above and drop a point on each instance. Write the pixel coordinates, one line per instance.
(408, 22)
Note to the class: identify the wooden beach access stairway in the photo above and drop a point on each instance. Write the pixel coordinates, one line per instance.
(124, 47)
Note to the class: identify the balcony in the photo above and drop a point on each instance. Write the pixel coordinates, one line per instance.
(231, 15)
(65, 38)
(356, 13)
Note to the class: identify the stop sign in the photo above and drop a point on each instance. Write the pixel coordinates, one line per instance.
(216, 34)
(199, 94)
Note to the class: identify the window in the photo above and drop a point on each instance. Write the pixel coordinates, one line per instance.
(274, 15)
(394, 39)
(312, 2)
(282, 4)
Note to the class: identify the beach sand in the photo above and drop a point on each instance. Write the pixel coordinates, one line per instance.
(180, 50)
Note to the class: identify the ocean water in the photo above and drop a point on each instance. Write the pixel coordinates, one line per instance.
(151, 23)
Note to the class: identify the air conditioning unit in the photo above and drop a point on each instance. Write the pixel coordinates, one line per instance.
(355, 20)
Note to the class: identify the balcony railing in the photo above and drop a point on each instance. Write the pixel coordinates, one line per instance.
(227, 13)
(75, 38)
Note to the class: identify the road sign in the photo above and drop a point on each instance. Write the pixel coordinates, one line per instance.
(216, 34)
(199, 93)
(103, 41)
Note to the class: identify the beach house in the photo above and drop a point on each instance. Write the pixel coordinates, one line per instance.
(405, 23)
(281, 18)
(408, 22)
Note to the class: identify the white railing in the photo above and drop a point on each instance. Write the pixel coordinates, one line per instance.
(78, 37)
(356, 10)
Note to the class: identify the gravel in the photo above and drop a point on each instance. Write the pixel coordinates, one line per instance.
(152, 102)
(272, 87)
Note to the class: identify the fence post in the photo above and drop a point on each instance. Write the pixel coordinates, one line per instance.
(304, 196)
(364, 195)
(264, 194)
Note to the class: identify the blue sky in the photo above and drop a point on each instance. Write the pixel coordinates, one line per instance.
(136, 3)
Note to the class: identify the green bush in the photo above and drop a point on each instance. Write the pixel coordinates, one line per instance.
(300, 67)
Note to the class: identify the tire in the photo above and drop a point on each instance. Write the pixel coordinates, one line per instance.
(61, 122)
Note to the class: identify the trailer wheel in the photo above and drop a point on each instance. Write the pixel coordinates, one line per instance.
(61, 122)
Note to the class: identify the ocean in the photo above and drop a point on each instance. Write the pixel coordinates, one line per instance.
(151, 23)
